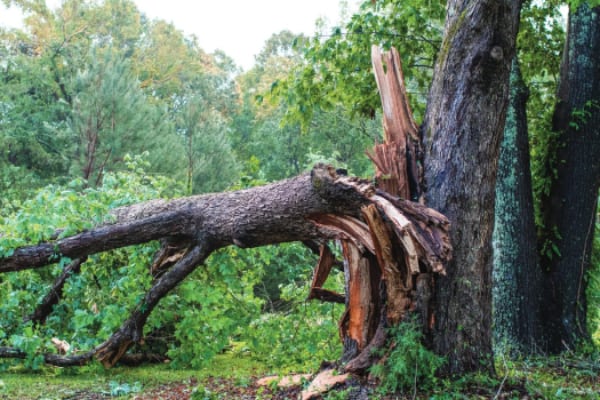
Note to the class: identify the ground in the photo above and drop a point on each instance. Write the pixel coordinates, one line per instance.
(235, 378)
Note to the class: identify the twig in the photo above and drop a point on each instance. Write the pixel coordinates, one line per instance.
(503, 379)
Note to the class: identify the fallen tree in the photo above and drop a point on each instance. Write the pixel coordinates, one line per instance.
(392, 247)
(319, 205)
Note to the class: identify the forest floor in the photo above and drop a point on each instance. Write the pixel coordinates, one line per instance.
(236, 378)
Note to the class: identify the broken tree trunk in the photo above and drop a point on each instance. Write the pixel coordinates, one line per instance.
(313, 206)
(388, 275)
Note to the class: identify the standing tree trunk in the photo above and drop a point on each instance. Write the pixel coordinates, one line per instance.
(516, 276)
(569, 208)
(462, 131)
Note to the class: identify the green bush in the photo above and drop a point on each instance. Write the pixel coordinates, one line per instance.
(408, 363)
(301, 337)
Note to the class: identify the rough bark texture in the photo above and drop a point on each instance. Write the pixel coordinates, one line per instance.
(462, 132)
(570, 208)
(270, 214)
(517, 276)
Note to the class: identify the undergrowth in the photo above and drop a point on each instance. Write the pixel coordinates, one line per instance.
(409, 364)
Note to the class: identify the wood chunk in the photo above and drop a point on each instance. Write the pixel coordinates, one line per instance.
(284, 381)
(323, 382)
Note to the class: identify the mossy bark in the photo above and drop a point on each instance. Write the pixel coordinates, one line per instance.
(516, 276)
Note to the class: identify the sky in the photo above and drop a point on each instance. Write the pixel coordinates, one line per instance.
(238, 27)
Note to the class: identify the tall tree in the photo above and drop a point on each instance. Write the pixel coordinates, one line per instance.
(569, 207)
(462, 130)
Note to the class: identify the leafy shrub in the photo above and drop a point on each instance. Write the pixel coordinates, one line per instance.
(408, 363)
(109, 284)
(300, 338)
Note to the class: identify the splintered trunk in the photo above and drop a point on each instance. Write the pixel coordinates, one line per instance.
(570, 207)
(381, 279)
(462, 132)
(517, 276)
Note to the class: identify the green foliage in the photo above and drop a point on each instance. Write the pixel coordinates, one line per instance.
(123, 389)
(577, 3)
(204, 137)
(581, 116)
(540, 63)
(409, 365)
(300, 338)
(337, 66)
(71, 104)
(108, 285)
(111, 117)
(210, 307)
(29, 342)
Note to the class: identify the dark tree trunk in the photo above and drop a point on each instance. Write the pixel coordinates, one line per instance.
(45, 307)
(462, 132)
(516, 276)
(569, 209)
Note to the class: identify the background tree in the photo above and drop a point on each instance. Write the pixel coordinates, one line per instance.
(569, 207)
(517, 274)
(111, 117)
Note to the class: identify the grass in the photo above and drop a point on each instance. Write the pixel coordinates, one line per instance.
(565, 377)
(62, 383)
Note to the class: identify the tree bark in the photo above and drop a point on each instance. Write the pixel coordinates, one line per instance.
(461, 133)
(517, 275)
(570, 207)
(270, 214)
(44, 309)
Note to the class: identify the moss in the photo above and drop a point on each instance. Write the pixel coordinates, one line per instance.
(449, 37)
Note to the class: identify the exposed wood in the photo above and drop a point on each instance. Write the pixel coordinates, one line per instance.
(322, 383)
(381, 290)
(368, 356)
(326, 260)
(62, 346)
(285, 381)
(398, 282)
(398, 159)
(362, 296)
(169, 253)
(346, 228)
